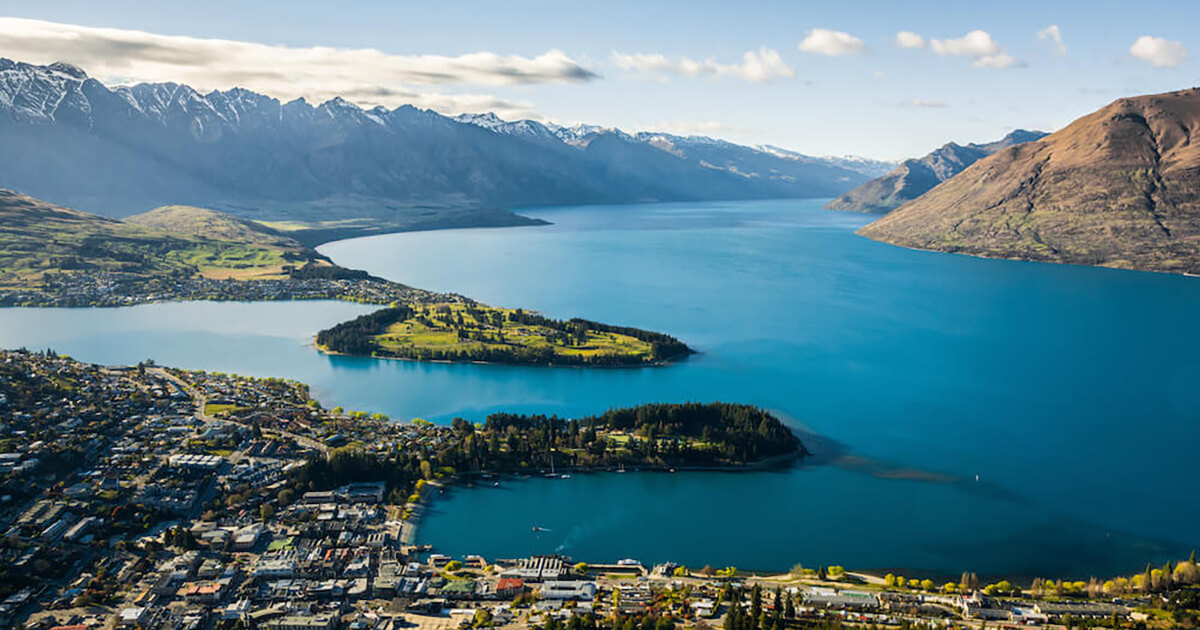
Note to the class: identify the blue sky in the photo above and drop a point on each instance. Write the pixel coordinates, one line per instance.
(677, 67)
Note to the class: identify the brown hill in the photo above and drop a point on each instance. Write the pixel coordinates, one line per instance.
(211, 224)
(1119, 188)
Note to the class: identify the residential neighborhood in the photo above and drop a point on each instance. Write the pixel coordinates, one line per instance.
(154, 498)
(123, 289)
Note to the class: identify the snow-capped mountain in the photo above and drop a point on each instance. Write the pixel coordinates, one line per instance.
(72, 140)
(867, 166)
(521, 128)
(580, 135)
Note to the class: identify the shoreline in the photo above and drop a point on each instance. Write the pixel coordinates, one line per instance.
(177, 300)
(675, 360)
(1061, 263)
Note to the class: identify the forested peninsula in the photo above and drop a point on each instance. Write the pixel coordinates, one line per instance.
(473, 332)
(648, 437)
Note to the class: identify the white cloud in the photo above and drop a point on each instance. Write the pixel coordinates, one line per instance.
(977, 44)
(908, 39)
(822, 41)
(916, 102)
(759, 66)
(1053, 34)
(366, 76)
(974, 44)
(1160, 52)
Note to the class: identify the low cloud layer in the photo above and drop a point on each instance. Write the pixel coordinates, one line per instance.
(758, 66)
(366, 76)
(695, 127)
(924, 104)
(1159, 52)
(822, 41)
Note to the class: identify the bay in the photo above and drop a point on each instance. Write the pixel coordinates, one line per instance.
(1070, 392)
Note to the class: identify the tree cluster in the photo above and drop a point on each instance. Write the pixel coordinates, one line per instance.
(357, 336)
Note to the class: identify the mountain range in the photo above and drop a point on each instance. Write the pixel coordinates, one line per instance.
(72, 140)
(913, 178)
(1119, 187)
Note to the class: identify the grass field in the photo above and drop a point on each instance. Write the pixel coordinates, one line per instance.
(472, 329)
(215, 409)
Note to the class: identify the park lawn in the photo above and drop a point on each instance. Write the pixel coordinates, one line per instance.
(213, 409)
(435, 327)
(281, 544)
(620, 439)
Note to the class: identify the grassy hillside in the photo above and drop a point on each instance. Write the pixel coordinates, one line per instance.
(458, 328)
(38, 239)
(211, 224)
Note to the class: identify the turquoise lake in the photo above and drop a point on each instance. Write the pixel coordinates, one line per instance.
(1072, 393)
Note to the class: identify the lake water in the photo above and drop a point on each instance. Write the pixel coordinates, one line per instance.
(1071, 392)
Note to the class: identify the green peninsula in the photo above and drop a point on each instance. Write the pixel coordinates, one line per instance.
(466, 331)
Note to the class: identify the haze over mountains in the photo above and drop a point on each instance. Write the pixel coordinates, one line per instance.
(71, 140)
(913, 178)
(1119, 187)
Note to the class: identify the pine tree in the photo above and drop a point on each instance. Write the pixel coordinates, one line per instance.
(731, 617)
(756, 605)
